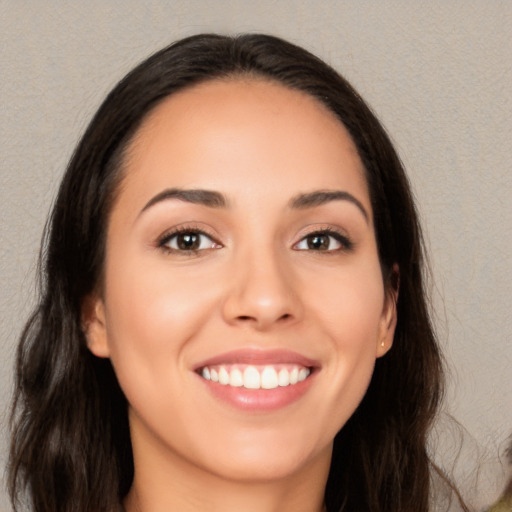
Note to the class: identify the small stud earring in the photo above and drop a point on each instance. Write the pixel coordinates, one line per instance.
(382, 343)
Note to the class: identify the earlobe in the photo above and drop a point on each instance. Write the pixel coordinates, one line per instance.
(389, 314)
(94, 326)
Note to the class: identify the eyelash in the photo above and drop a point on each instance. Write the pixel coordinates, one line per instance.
(346, 244)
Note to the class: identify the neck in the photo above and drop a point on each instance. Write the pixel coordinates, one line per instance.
(225, 498)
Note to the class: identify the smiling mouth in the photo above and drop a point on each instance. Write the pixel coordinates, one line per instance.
(255, 376)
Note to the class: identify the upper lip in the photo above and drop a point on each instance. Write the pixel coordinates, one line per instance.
(258, 357)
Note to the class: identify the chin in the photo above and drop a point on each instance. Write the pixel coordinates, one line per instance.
(268, 462)
(262, 470)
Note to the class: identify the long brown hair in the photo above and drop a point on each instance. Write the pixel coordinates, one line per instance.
(70, 442)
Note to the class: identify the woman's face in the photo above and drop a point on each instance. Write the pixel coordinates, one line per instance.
(243, 305)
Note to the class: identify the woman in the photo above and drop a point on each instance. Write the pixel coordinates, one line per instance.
(233, 313)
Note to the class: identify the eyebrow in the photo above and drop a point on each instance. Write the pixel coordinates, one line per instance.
(208, 198)
(321, 197)
(213, 199)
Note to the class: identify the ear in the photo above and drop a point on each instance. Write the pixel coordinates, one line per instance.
(94, 325)
(389, 315)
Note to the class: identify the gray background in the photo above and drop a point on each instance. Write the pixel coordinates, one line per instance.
(438, 74)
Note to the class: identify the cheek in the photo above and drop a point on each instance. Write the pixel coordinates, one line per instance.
(350, 305)
(349, 310)
(151, 314)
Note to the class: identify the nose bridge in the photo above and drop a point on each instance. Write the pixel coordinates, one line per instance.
(262, 290)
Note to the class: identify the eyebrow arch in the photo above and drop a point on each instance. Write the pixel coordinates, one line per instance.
(196, 196)
(320, 197)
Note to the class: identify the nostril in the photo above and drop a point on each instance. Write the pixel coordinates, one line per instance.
(249, 318)
(286, 317)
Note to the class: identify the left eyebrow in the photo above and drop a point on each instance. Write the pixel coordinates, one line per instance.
(320, 197)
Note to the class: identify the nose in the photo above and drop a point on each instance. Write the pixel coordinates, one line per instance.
(262, 293)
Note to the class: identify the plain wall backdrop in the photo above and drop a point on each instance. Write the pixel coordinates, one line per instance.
(439, 76)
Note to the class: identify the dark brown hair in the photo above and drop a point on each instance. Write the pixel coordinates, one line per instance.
(70, 443)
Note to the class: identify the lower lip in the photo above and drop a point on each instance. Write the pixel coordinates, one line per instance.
(259, 400)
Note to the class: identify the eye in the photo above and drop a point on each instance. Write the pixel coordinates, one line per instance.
(188, 240)
(324, 241)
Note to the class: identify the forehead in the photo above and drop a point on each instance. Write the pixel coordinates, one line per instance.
(224, 133)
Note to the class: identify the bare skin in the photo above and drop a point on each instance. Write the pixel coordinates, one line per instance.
(243, 226)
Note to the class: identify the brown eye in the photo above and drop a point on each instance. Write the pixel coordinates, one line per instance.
(325, 241)
(318, 242)
(188, 241)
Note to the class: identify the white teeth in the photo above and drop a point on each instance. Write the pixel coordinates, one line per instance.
(223, 376)
(236, 378)
(269, 378)
(252, 377)
(284, 377)
(303, 373)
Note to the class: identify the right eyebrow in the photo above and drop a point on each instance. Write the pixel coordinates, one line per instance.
(208, 198)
